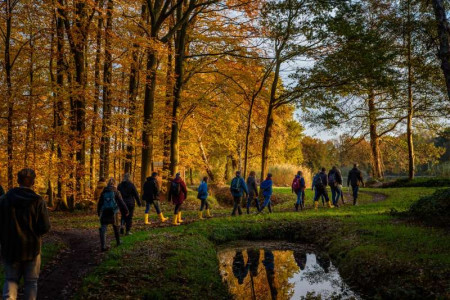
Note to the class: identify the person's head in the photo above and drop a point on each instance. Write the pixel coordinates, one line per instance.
(252, 174)
(127, 177)
(269, 176)
(323, 169)
(178, 175)
(111, 182)
(205, 179)
(102, 179)
(26, 177)
(334, 168)
(355, 165)
(299, 173)
(154, 174)
(238, 173)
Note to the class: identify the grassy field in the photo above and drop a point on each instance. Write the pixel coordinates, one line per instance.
(379, 253)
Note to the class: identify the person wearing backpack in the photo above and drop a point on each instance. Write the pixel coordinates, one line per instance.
(334, 180)
(355, 179)
(237, 188)
(177, 193)
(23, 221)
(252, 191)
(267, 189)
(298, 187)
(151, 196)
(202, 195)
(319, 185)
(130, 196)
(108, 207)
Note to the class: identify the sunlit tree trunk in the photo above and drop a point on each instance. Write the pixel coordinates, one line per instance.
(409, 130)
(374, 138)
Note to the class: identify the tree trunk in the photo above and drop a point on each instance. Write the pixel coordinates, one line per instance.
(167, 112)
(269, 120)
(180, 45)
(59, 107)
(409, 131)
(107, 105)
(444, 47)
(374, 138)
(98, 53)
(10, 101)
(149, 105)
(30, 101)
(247, 135)
(204, 157)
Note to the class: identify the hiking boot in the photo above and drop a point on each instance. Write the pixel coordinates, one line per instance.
(296, 207)
(316, 205)
(146, 222)
(161, 218)
(179, 218)
(175, 220)
(208, 213)
(200, 215)
(105, 249)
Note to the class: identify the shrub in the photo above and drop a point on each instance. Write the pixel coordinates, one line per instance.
(283, 174)
(434, 209)
(418, 182)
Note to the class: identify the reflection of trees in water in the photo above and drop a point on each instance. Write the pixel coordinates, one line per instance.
(300, 259)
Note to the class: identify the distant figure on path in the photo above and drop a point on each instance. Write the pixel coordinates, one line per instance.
(130, 196)
(334, 181)
(177, 193)
(237, 188)
(298, 187)
(151, 196)
(252, 192)
(355, 179)
(202, 195)
(23, 222)
(99, 189)
(266, 190)
(108, 210)
(320, 182)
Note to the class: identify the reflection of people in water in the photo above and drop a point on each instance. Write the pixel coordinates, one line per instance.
(300, 259)
(269, 264)
(252, 266)
(324, 261)
(239, 269)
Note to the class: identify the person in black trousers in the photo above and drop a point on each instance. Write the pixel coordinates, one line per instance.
(130, 196)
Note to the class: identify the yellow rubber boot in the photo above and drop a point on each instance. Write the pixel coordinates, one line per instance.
(200, 215)
(316, 205)
(208, 213)
(330, 205)
(175, 220)
(161, 217)
(179, 218)
(146, 222)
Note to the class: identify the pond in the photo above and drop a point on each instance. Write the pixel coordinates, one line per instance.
(280, 270)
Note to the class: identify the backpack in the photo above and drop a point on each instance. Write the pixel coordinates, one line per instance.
(109, 206)
(296, 184)
(332, 179)
(317, 182)
(236, 185)
(175, 188)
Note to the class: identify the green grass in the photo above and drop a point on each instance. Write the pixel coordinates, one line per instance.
(378, 253)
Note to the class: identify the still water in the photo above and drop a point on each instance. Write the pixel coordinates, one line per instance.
(277, 270)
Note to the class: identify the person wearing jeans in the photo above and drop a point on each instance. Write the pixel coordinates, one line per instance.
(238, 188)
(266, 190)
(355, 179)
(23, 221)
(252, 191)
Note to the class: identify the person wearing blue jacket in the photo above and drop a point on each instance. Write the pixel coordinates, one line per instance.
(203, 197)
(266, 189)
(238, 188)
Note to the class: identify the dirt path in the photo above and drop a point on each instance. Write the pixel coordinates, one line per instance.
(62, 277)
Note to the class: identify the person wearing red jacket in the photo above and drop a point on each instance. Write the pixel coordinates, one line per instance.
(177, 193)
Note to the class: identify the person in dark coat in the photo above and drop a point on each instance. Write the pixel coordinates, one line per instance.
(319, 185)
(252, 191)
(130, 196)
(108, 207)
(177, 193)
(334, 181)
(23, 221)
(356, 180)
(237, 189)
(151, 195)
(269, 264)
